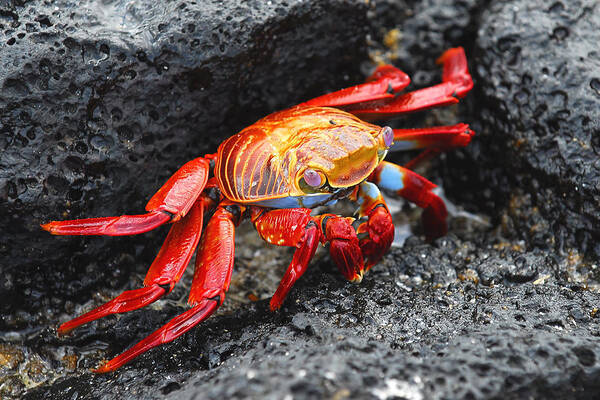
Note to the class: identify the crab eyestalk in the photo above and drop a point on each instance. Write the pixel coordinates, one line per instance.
(387, 134)
(313, 178)
(386, 140)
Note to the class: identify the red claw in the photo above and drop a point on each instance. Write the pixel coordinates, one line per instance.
(288, 227)
(379, 230)
(305, 251)
(418, 190)
(344, 247)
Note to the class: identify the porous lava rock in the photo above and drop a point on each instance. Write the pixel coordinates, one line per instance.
(536, 65)
(413, 34)
(101, 101)
(484, 313)
(404, 332)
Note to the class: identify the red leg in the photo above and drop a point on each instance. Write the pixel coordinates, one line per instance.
(295, 227)
(381, 85)
(164, 273)
(438, 137)
(172, 201)
(416, 189)
(425, 155)
(212, 276)
(456, 82)
(167, 333)
(434, 139)
(288, 227)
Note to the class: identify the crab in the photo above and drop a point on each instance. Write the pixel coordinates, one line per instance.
(275, 172)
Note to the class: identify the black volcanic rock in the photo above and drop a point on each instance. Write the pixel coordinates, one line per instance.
(505, 309)
(413, 34)
(537, 68)
(400, 334)
(101, 102)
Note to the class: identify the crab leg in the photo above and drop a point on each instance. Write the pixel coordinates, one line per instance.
(416, 189)
(212, 276)
(381, 85)
(377, 232)
(172, 201)
(456, 82)
(434, 140)
(292, 227)
(165, 271)
(438, 137)
(295, 227)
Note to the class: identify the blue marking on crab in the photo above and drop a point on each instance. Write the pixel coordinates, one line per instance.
(391, 178)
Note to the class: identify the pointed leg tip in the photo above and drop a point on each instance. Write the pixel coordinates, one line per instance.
(55, 228)
(448, 53)
(104, 368)
(63, 331)
(274, 305)
(358, 277)
(48, 227)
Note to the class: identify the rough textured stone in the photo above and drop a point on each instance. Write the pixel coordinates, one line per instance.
(398, 334)
(102, 101)
(489, 312)
(536, 66)
(414, 34)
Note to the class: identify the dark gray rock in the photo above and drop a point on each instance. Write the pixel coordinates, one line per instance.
(480, 314)
(101, 101)
(392, 336)
(515, 268)
(425, 29)
(536, 66)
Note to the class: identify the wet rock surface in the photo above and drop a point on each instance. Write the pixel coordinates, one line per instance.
(416, 33)
(102, 101)
(505, 307)
(406, 331)
(536, 65)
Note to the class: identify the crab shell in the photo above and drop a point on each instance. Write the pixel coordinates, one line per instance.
(264, 164)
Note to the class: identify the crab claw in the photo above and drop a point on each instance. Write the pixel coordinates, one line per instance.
(344, 246)
(376, 235)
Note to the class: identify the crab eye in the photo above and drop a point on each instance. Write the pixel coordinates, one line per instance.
(312, 178)
(388, 136)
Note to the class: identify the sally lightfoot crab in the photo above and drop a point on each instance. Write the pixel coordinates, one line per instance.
(274, 173)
